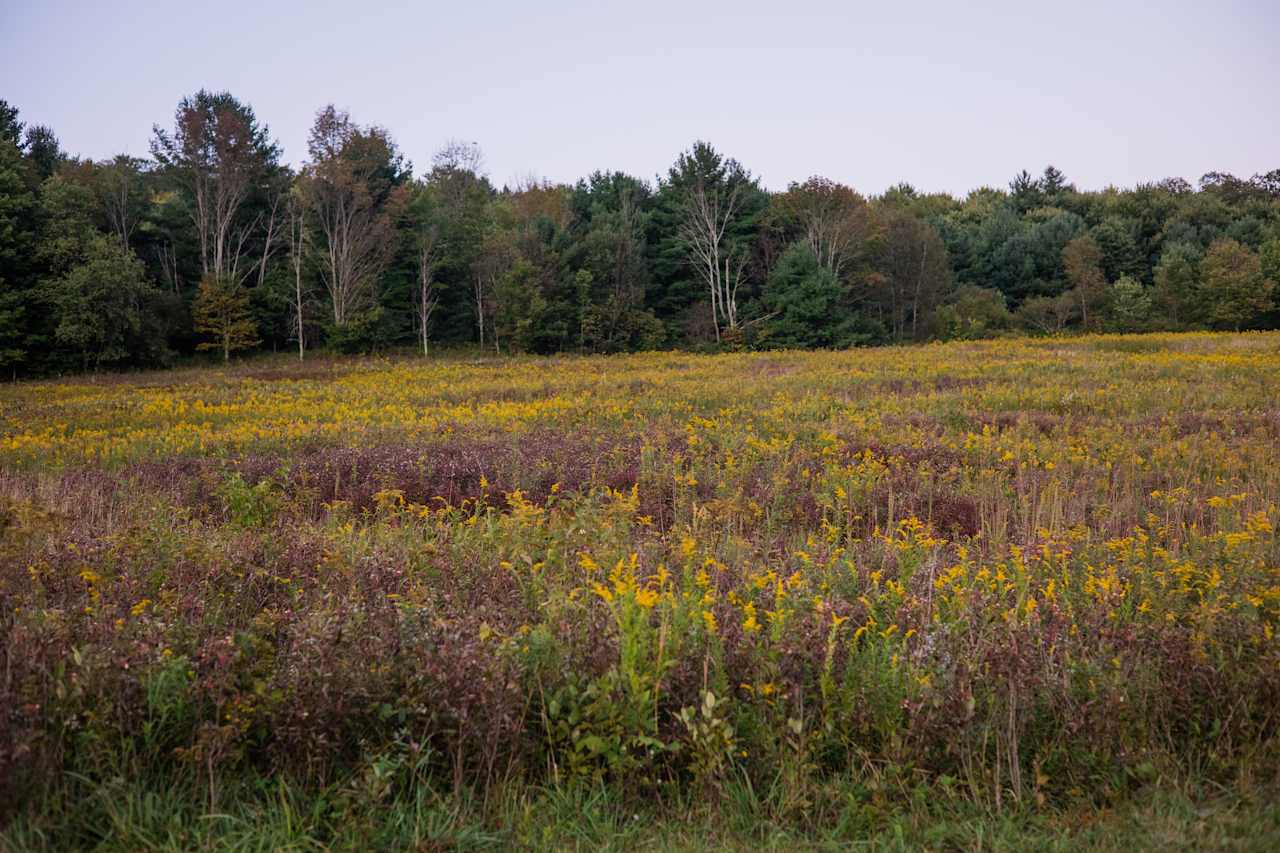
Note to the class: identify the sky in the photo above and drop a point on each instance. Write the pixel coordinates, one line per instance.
(948, 96)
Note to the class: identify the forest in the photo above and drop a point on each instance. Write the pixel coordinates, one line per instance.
(214, 243)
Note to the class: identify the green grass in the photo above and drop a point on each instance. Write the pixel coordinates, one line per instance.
(256, 813)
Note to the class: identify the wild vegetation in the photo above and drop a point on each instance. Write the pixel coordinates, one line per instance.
(1015, 593)
(215, 243)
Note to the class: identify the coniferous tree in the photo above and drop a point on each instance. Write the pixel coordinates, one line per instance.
(807, 305)
(1128, 306)
(18, 208)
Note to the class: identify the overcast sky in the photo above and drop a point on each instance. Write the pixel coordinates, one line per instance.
(946, 95)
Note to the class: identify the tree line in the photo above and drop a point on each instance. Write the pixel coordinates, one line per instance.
(214, 243)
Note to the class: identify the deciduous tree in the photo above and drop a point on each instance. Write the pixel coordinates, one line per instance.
(1236, 291)
(1177, 293)
(352, 184)
(219, 154)
(105, 309)
(831, 218)
(716, 203)
(1082, 263)
(222, 310)
(915, 271)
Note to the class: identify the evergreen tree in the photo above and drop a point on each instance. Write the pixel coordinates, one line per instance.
(709, 208)
(10, 126)
(1128, 306)
(1025, 192)
(1120, 254)
(1053, 184)
(805, 302)
(43, 150)
(17, 244)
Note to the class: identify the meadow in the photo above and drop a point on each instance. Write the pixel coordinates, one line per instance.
(1014, 593)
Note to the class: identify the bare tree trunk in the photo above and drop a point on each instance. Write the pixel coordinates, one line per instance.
(915, 301)
(268, 247)
(707, 218)
(297, 296)
(169, 264)
(428, 297)
(479, 300)
(297, 249)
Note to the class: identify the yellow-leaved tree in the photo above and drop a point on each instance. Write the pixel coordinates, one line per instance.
(221, 310)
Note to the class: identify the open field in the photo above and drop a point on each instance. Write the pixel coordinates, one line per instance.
(1010, 593)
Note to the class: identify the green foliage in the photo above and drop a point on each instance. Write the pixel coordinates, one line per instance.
(248, 506)
(608, 264)
(1236, 292)
(711, 741)
(1082, 260)
(363, 332)
(1269, 257)
(44, 150)
(10, 127)
(601, 730)
(17, 237)
(12, 326)
(105, 311)
(1119, 250)
(1128, 306)
(679, 291)
(806, 304)
(1048, 314)
(522, 308)
(171, 710)
(973, 313)
(1178, 292)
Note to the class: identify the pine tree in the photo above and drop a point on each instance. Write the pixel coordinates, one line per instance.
(17, 243)
(222, 310)
(1128, 306)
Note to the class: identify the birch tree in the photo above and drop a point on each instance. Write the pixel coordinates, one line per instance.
(830, 218)
(120, 191)
(718, 201)
(427, 296)
(351, 185)
(219, 154)
(296, 220)
(915, 272)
